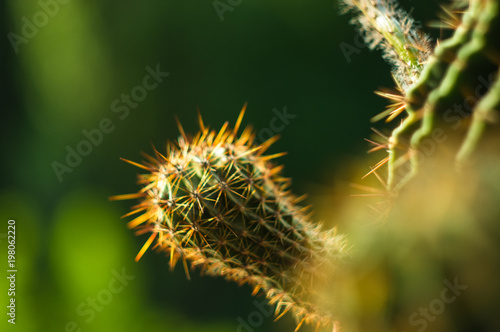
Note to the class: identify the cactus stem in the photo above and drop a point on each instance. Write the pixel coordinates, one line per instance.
(214, 200)
(486, 111)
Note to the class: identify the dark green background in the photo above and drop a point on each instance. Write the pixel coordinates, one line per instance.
(70, 238)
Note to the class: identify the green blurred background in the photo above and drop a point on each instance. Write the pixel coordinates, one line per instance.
(64, 66)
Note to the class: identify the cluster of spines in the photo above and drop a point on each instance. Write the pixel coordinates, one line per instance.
(387, 27)
(216, 201)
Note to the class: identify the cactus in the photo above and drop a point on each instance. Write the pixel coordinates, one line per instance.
(440, 85)
(216, 201)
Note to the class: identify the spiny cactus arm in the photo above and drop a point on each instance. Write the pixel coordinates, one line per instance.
(216, 202)
(431, 77)
(389, 28)
(471, 58)
(445, 82)
(439, 62)
(488, 108)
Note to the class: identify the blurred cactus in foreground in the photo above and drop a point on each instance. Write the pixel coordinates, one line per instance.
(433, 265)
(216, 201)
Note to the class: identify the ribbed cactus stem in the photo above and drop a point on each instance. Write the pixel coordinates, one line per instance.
(450, 79)
(487, 111)
(431, 76)
(216, 201)
(435, 87)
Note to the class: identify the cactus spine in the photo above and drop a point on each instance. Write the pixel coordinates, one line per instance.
(216, 201)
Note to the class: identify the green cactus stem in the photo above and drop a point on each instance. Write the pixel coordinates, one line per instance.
(440, 87)
(216, 201)
(449, 80)
(485, 114)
